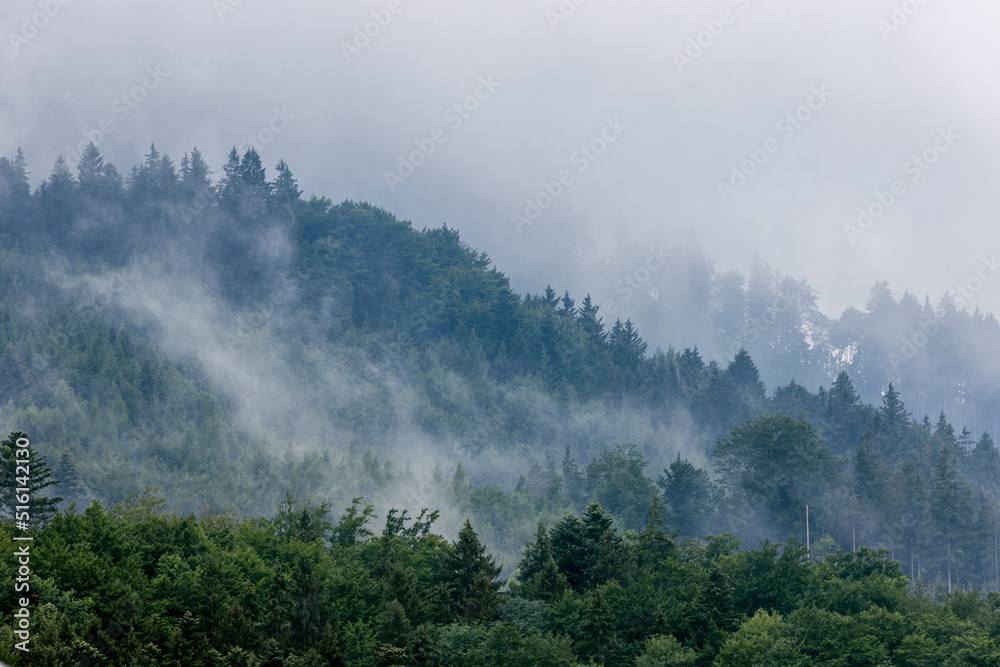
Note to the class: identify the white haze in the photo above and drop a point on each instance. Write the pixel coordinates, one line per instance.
(225, 74)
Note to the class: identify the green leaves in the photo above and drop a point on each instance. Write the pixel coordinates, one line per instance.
(777, 465)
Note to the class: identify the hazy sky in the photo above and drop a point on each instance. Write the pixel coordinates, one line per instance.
(833, 100)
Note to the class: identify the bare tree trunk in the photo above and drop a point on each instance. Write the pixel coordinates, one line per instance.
(949, 565)
(912, 578)
(807, 532)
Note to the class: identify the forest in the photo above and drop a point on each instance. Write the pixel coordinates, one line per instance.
(210, 371)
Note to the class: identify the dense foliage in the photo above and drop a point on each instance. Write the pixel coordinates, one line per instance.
(134, 586)
(231, 342)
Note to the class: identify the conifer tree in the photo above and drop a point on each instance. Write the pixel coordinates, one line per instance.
(690, 496)
(284, 189)
(38, 478)
(536, 554)
(591, 324)
(549, 583)
(231, 185)
(950, 509)
(470, 575)
(597, 639)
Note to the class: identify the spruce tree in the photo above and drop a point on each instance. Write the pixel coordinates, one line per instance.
(536, 554)
(690, 496)
(38, 478)
(894, 420)
(231, 186)
(284, 189)
(951, 511)
(469, 576)
(591, 324)
(597, 638)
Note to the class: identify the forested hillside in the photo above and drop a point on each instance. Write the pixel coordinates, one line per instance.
(132, 586)
(239, 347)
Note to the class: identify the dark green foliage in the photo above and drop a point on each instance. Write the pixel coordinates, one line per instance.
(777, 464)
(246, 593)
(691, 497)
(428, 343)
(618, 483)
(25, 475)
(469, 576)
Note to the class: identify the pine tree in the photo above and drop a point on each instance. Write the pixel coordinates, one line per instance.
(591, 324)
(550, 299)
(470, 575)
(628, 352)
(844, 415)
(196, 182)
(571, 551)
(568, 308)
(617, 482)
(15, 195)
(231, 185)
(187, 646)
(14, 464)
(252, 173)
(57, 199)
(597, 638)
(68, 475)
(690, 496)
(715, 615)
(536, 554)
(424, 651)
(950, 509)
(691, 368)
(90, 171)
(284, 189)
(655, 543)
(20, 190)
(394, 632)
(894, 420)
(984, 463)
(549, 584)
(965, 442)
(749, 390)
(908, 508)
(869, 471)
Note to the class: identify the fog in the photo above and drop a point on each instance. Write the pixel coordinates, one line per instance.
(666, 119)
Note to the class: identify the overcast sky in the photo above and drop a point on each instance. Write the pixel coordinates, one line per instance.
(668, 97)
